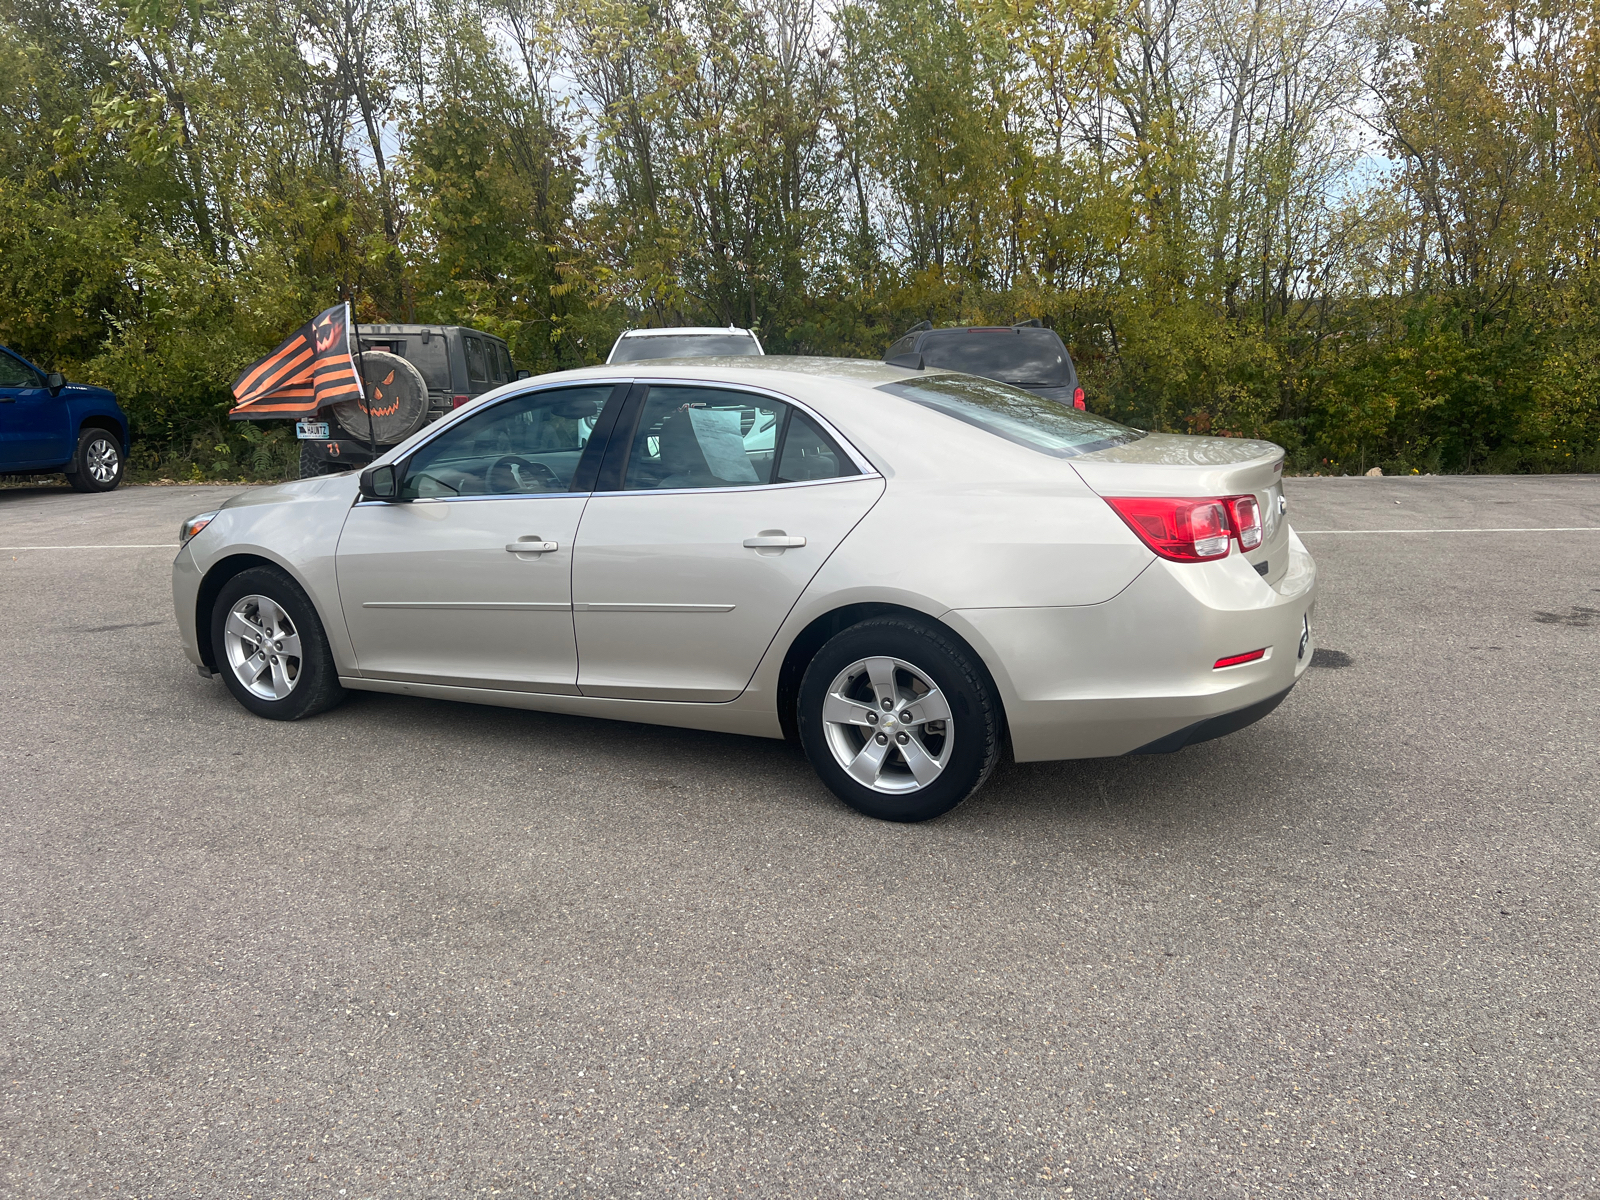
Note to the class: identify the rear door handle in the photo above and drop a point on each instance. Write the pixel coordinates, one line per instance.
(531, 547)
(770, 542)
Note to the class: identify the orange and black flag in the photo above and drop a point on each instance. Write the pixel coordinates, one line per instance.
(312, 369)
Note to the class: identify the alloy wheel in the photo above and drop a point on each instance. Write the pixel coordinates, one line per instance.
(888, 725)
(102, 460)
(263, 647)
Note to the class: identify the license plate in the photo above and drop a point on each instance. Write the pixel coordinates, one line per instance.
(311, 431)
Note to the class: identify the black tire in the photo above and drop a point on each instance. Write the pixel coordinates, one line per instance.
(315, 680)
(397, 395)
(97, 464)
(310, 465)
(975, 724)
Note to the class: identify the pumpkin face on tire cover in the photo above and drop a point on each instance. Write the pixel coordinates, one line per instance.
(396, 394)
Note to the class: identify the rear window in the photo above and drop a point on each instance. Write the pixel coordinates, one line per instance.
(1011, 413)
(1030, 357)
(684, 345)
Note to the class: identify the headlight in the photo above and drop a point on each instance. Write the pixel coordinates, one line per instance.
(194, 525)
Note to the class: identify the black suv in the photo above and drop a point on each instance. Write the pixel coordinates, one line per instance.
(1026, 355)
(414, 374)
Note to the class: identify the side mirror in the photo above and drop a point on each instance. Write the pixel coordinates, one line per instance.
(521, 375)
(380, 483)
(55, 381)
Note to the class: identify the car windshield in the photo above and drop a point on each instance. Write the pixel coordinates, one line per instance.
(684, 345)
(1016, 415)
(1032, 357)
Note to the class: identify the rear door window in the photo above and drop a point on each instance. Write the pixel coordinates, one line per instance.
(700, 437)
(810, 454)
(902, 348)
(477, 364)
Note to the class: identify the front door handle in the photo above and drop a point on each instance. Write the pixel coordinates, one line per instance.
(531, 546)
(772, 542)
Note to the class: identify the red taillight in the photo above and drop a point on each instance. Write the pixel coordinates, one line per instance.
(458, 401)
(1191, 529)
(1182, 530)
(1077, 398)
(1233, 660)
(1246, 514)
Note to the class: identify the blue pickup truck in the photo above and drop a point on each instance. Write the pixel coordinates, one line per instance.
(48, 424)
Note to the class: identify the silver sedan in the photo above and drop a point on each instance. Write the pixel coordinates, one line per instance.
(910, 572)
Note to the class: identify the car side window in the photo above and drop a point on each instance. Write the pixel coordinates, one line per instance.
(902, 348)
(700, 437)
(810, 454)
(523, 446)
(477, 367)
(16, 373)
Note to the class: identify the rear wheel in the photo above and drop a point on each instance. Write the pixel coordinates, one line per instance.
(311, 465)
(898, 719)
(97, 465)
(270, 647)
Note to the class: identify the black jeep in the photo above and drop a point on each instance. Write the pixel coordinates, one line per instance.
(414, 374)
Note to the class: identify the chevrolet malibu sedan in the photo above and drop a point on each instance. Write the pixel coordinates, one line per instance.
(910, 572)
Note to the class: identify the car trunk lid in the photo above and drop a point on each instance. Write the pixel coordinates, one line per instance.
(1165, 464)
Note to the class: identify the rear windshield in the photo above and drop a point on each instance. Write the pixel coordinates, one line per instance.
(1016, 415)
(684, 345)
(1031, 357)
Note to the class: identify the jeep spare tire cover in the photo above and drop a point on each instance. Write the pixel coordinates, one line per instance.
(397, 394)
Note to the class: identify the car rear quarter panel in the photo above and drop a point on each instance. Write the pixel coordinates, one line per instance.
(1104, 679)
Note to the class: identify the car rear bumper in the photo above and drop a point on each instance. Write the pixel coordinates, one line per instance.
(1136, 673)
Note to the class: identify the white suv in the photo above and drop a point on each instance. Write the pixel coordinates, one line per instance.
(685, 341)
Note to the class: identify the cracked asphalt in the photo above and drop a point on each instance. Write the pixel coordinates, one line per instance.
(411, 948)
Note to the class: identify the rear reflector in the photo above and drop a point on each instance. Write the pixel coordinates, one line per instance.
(458, 401)
(1233, 660)
(1077, 398)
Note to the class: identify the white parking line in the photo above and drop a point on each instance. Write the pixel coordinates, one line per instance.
(1552, 529)
(128, 546)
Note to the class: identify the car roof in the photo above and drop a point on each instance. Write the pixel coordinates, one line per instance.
(677, 329)
(422, 328)
(766, 371)
(1021, 330)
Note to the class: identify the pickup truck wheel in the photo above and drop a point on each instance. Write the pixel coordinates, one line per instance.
(270, 647)
(97, 465)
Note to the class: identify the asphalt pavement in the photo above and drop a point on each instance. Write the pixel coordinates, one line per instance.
(412, 948)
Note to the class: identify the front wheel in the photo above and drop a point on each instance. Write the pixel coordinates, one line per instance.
(899, 719)
(97, 465)
(270, 647)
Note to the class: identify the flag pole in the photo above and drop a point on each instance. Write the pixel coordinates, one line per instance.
(361, 376)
